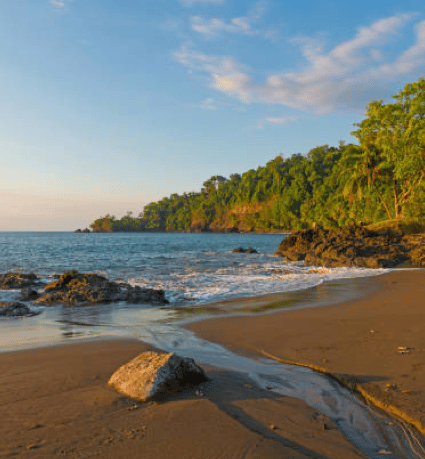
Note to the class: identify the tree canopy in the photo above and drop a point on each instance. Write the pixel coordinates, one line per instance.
(381, 178)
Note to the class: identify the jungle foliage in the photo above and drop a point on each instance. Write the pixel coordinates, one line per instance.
(381, 178)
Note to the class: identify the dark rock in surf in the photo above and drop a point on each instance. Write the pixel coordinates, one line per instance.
(28, 294)
(353, 245)
(74, 288)
(11, 281)
(14, 309)
(242, 250)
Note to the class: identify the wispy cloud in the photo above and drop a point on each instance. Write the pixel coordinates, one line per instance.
(284, 121)
(208, 104)
(203, 2)
(240, 25)
(58, 3)
(345, 78)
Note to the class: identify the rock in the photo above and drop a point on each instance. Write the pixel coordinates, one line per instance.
(353, 245)
(11, 281)
(73, 288)
(242, 250)
(156, 375)
(14, 309)
(28, 294)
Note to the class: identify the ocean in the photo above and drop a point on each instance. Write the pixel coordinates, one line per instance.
(190, 268)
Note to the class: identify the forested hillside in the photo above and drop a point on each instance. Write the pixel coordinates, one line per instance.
(379, 179)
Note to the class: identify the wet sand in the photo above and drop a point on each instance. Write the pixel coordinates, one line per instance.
(357, 341)
(55, 402)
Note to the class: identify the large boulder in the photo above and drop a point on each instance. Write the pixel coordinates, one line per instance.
(74, 288)
(11, 281)
(354, 245)
(156, 375)
(14, 309)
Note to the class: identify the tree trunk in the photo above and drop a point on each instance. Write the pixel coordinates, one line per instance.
(396, 203)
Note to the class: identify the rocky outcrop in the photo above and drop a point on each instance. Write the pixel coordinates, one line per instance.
(156, 375)
(28, 294)
(353, 245)
(242, 250)
(85, 230)
(14, 309)
(73, 288)
(11, 281)
(199, 227)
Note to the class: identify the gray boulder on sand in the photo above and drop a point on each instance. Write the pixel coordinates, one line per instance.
(155, 375)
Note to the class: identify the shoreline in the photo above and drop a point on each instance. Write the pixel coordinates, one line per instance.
(255, 335)
(327, 293)
(355, 341)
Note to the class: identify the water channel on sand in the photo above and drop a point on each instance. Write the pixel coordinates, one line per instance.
(371, 431)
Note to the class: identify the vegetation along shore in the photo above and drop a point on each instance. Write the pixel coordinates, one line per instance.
(381, 178)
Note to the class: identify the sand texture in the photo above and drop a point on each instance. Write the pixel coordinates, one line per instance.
(55, 402)
(358, 341)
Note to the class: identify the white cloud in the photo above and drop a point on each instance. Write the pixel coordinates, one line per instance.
(60, 3)
(284, 121)
(345, 78)
(203, 2)
(240, 25)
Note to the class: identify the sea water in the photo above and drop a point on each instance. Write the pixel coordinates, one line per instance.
(189, 267)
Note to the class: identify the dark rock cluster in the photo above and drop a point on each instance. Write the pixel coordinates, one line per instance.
(11, 281)
(242, 250)
(353, 245)
(14, 309)
(73, 288)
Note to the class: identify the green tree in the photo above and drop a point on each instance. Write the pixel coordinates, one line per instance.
(392, 138)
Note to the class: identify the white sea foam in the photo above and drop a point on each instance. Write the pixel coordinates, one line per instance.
(251, 279)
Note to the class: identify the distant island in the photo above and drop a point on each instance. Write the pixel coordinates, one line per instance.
(379, 179)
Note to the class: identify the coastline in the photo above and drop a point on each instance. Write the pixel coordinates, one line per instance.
(356, 341)
(337, 338)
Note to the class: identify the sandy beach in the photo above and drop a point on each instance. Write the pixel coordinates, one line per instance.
(357, 341)
(55, 402)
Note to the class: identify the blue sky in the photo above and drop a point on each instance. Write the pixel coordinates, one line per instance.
(106, 105)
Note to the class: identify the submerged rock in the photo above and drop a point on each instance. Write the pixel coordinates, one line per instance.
(28, 294)
(353, 245)
(74, 288)
(11, 281)
(242, 250)
(14, 309)
(156, 375)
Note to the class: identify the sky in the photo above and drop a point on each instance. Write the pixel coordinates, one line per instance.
(106, 106)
